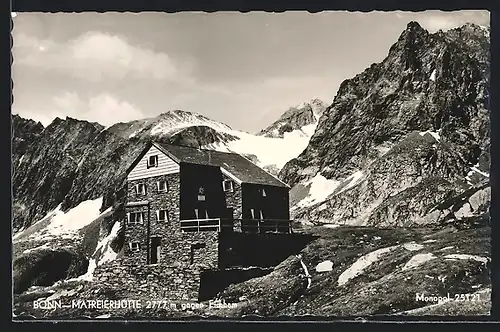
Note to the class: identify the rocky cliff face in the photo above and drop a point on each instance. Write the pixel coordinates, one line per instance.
(420, 114)
(296, 118)
(46, 163)
(72, 161)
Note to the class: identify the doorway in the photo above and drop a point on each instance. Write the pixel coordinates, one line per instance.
(155, 249)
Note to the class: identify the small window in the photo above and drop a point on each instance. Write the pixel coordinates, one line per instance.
(261, 215)
(136, 217)
(252, 212)
(227, 185)
(140, 189)
(153, 161)
(201, 198)
(264, 192)
(162, 186)
(196, 213)
(134, 246)
(162, 215)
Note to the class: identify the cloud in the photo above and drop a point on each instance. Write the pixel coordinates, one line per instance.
(433, 24)
(109, 110)
(95, 56)
(105, 109)
(439, 20)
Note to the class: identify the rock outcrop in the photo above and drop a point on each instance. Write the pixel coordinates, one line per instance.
(417, 119)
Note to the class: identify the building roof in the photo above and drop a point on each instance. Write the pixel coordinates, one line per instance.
(232, 164)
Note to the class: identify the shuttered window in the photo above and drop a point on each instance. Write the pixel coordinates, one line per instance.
(134, 246)
(136, 217)
(162, 186)
(162, 215)
(140, 189)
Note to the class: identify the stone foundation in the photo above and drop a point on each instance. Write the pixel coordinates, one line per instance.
(154, 282)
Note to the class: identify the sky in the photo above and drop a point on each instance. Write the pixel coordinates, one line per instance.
(241, 69)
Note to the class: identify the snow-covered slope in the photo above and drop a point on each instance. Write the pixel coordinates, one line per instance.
(270, 151)
(64, 225)
(280, 142)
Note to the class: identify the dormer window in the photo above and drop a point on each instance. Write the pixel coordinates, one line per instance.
(227, 185)
(162, 186)
(153, 161)
(140, 189)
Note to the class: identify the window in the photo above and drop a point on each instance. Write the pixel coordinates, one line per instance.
(162, 215)
(252, 212)
(136, 217)
(140, 189)
(162, 186)
(227, 185)
(261, 215)
(134, 246)
(264, 192)
(153, 161)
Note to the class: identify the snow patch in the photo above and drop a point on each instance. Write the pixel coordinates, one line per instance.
(483, 260)
(324, 266)
(432, 133)
(38, 224)
(104, 246)
(320, 189)
(418, 260)
(270, 150)
(76, 218)
(429, 241)
(104, 316)
(178, 120)
(433, 75)
(361, 264)
(446, 248)
(353, 179)
(477, 170)
(306, 271)
(102, 254)
(135, 133)
(21, 159)
(464, 211)
(331, 225)
(89, 275)
(412, 246)
(43, 246)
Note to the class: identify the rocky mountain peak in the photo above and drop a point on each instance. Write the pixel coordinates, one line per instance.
(425, 83)
(296, 118)
(414, 28)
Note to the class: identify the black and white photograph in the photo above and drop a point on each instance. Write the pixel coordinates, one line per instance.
(229, 165)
